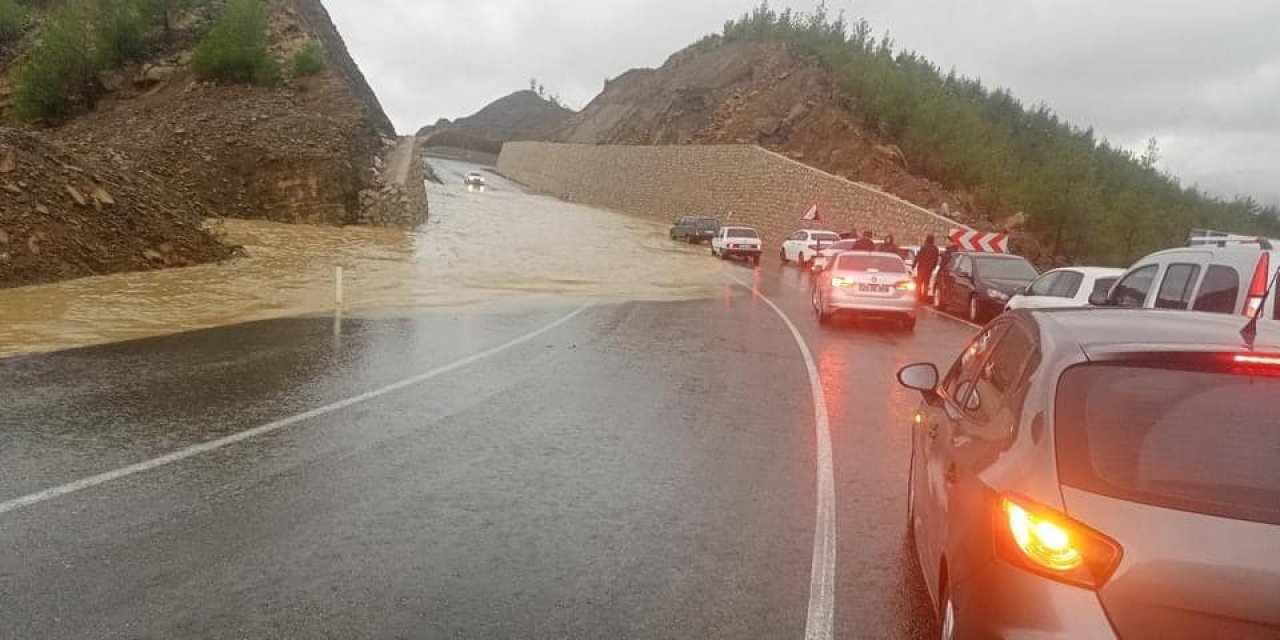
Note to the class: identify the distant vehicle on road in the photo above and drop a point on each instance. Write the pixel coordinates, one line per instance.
(474, 179)
(979, 285)
(826, 252)
(1067, 287)
(694, 229)
(737, 242)
(1089, 473)
(1219, 279)
(803, 245)
(876, 285)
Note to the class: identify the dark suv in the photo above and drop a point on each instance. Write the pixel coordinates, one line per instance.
(978, 285)
(1100, 473)
(694, 229)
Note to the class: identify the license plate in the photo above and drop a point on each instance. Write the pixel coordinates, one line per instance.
(874, 288)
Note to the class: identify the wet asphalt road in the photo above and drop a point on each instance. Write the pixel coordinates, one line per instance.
(642, 470)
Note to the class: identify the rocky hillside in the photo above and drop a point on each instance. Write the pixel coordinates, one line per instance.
(523, 115)
(172, 149)
(756, 93)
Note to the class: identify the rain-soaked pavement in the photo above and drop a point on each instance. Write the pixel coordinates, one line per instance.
(554, 464)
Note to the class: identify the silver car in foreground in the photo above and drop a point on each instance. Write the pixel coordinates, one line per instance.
(1101, 474)
(866, 284)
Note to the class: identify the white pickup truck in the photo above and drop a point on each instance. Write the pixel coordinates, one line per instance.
(737, 242)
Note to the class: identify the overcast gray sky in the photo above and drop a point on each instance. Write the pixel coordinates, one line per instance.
(1202, 77)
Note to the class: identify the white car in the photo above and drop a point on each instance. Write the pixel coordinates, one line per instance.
(1232, 278)
(474, 179)
(1064, 288)
(804, 244)
(737, 242)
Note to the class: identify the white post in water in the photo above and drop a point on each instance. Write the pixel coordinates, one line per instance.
(337, 287)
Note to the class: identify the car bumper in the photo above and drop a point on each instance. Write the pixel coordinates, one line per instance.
(743, 253)
(1003, 601)
(873, 305)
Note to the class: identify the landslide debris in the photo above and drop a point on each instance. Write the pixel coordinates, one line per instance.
(64, 216)
(523, 115)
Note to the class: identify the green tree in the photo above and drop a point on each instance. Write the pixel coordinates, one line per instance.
(235, 48)
(13, 20)
(123, 30)
(309, 60)
(61, 70)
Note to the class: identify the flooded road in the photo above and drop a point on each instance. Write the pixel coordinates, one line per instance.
(478, 247)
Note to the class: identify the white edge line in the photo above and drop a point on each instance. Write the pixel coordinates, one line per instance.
(948, 316)
(205, 447)
(820, 621)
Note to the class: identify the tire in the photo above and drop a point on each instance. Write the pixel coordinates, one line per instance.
(713, 251)
(755, 261)
(824, 317)
(973, 309)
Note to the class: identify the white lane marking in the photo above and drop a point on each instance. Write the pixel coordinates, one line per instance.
(950, 317)
(205, 447)
(822, 576)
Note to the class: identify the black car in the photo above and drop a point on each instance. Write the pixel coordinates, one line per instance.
(978, 285)
(694, 229)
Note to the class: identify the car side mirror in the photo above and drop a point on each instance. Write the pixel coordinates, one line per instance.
(921, 377)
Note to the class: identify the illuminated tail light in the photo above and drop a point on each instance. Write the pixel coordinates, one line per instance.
(906, 285)
(841, 281)
(1051, 544)
(1258, 286)
(1256, 365)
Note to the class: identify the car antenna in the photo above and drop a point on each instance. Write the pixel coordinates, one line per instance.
(1250, 330)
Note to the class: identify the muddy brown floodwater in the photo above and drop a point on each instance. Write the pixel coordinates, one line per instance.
(478, 248)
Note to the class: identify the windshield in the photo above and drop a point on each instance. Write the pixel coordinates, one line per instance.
(1005, 268)
(1191, 440)
(741, 233)
(876, 262)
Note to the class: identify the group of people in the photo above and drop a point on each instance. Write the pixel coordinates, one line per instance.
(927, 258)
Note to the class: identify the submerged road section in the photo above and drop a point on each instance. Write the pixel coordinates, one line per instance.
(539, 467)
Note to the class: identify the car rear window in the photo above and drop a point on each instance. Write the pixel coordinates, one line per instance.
(742, 233)
(1194, 440)
(1102, 286)
(1219, 291)
(884, 263)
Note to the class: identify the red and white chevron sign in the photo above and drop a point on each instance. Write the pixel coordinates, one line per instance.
(970, 240)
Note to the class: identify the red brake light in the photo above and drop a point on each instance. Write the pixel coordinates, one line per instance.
(1044, 541)
(1256, 365)
(1258, 286)
(906, 285)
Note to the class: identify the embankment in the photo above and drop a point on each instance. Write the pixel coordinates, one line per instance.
(740, 184)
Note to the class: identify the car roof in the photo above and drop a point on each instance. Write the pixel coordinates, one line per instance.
(989, 254)
(738, 226)
(1106, 331)
(816, 231)
(1095, 272)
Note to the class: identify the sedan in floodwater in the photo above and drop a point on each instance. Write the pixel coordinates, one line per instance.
(1089, 473)
(865, 284)
(474, 179)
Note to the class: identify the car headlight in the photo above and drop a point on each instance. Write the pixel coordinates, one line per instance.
(996, 294)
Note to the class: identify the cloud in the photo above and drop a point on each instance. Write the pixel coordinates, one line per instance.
(1203, 78)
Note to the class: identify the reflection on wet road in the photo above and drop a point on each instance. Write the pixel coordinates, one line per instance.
(643, 470)
(476, 248)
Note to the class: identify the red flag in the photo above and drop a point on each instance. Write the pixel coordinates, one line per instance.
(812, 215)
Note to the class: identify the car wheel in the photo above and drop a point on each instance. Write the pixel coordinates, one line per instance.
(755, 261)
(713, 251)
(824, 317)
(973, 309)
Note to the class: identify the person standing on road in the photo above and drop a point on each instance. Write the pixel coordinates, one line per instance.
(926, 262)
(865, 243)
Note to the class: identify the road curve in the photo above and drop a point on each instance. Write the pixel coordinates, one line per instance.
(638, 470)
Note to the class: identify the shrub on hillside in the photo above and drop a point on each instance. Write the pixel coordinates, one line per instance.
(235, 48)
(13, 19)
(309, 60)
(123, 30)
(62, 68)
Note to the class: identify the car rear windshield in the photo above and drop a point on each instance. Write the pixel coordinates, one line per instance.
(742, 233)
(882, 263)
(706, 222)
(1195, 440)
(1005, 268)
